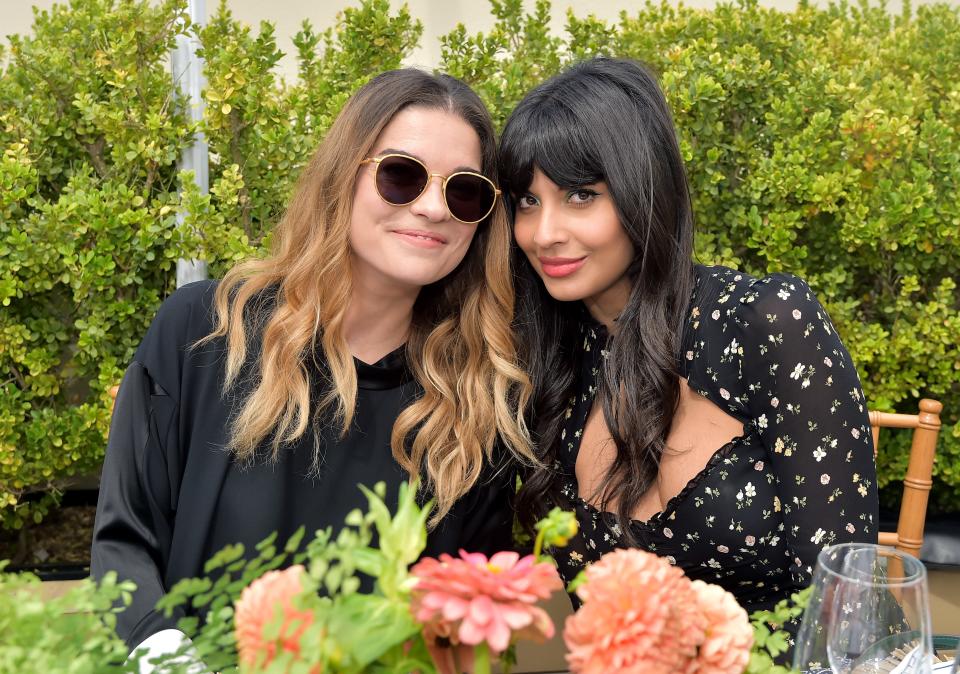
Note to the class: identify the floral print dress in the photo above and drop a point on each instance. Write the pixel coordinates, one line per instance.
(802, 475)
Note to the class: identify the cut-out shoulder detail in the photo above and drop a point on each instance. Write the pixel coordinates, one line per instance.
(717, 457)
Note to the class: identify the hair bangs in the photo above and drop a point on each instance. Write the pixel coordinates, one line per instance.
(547, 135)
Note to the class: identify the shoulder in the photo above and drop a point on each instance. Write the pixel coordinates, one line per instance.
(189, 310)
(737, 299)
(757, 323)
(186, 316)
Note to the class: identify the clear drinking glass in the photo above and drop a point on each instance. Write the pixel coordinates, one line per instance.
(869, 613)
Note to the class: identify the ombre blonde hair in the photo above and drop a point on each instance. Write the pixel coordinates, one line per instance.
(460, 347)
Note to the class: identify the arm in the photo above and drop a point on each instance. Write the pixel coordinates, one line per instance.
(808, 404)
(142, 470)
(134, 523)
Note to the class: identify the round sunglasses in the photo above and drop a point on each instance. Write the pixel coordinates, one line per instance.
(401, 180)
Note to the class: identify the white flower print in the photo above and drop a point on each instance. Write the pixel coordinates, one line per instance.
(766, 347)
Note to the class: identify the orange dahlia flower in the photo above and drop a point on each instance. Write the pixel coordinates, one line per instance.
(258, 605)
(729, 636)
(639, 616)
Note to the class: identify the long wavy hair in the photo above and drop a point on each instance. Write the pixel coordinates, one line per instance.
(606, 120)
(292, 305)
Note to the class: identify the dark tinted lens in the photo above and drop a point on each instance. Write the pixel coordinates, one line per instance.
(400, 180)
(469, 197)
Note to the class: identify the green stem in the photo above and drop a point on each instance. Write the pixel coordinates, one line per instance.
(481, 659)
(538, 546)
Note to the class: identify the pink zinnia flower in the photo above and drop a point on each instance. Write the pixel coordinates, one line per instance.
(639, 616)
(258, 605)
(729, 635)
(472, 600)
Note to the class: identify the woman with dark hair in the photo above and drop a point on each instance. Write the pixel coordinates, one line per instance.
(697, 412)
(372, 344)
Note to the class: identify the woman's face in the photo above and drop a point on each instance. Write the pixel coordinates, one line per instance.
(400, 248)
(574, 240)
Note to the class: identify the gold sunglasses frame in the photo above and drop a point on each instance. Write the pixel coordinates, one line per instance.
(430, 176)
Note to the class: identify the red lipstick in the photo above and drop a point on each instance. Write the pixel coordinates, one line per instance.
(558, 267)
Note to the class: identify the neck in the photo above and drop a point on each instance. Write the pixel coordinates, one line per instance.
(378, 318)
(606, 306)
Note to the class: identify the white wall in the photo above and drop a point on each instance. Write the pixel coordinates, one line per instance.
(438, 17)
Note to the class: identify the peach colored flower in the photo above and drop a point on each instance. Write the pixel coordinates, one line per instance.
(258, 606)
(729, 635)
(639, 616)
(470, 599)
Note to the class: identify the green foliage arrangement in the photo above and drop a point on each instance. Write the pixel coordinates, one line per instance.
(71, 634)
(326, 622)
(819, 141)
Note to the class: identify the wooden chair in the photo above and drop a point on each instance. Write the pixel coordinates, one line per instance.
(916, 486)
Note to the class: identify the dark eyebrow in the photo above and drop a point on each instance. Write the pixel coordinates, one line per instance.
(392, 150)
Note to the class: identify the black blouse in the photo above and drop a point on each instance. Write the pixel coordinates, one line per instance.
(802, 475)
(171, 496)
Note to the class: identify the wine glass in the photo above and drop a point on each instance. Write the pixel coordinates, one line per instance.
(869, 613)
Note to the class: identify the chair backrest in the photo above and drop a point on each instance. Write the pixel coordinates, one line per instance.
(916, 485)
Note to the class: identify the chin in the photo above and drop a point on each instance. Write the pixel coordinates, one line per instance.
(564, 292)
(417, 278)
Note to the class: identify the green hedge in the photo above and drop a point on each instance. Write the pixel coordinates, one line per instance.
(820, 141)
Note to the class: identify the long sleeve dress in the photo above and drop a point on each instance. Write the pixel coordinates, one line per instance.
(171, 495)
(800, 477)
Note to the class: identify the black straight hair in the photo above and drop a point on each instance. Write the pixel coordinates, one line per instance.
(606, 120)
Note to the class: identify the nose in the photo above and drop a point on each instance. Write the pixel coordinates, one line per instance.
(431, 204)
(548, 230)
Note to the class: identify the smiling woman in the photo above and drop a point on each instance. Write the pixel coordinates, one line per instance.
(401, 248)
(346, 356)
(696, 412)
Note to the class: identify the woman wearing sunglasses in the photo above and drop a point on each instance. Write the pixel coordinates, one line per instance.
(372, 344)
(697, 412)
